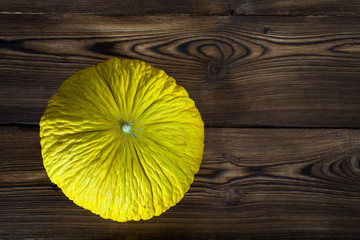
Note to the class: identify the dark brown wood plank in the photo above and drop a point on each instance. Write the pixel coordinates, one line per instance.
(198, 7)
(241, 71)
(253, 183)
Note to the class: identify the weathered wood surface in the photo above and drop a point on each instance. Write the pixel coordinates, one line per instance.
(253, 183)
(246, 64)
(241, 71)
(198, 7)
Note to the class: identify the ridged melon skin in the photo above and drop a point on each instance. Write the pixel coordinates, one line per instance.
(122, 139)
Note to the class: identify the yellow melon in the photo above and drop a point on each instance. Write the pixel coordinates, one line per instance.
(122, 139)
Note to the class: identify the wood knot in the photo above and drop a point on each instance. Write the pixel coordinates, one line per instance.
(234, 10)
(215, 69)
(229, 10)
(232, 195)
(265, 30)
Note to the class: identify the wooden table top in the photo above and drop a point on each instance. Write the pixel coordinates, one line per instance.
(277, 83)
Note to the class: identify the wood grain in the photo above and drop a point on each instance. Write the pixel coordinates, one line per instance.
(241, 71)
(253, 183)
(197, 7)
(251, 65)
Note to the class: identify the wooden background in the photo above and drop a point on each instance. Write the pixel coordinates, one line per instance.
(276, 81)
